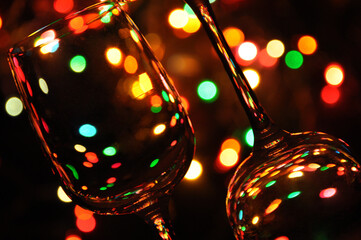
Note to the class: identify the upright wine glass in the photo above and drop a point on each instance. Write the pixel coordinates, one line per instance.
(106, 113)
(293, 185)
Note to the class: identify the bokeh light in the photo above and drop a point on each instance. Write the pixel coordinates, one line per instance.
(109, 151)
(87, 130)
(228, 157)
(328, 192)
(178, 18)
(307, 45)
(195, 170)
(265, 59)
(334, 74)
(192, 26)
(330, 94)
(247, 51)
(252, 77)
(63, 196)
(114, 55)
(43, 86)
(130, 64)
(14, 106)
(294, 59)
(73, 237)
(63, 6)
(1, 22)
(160, 128)
(233, 36)
(82, 213)
(275, 48)
(86, 225)
(249, 137)
(79, 148)
(78, 63)
(207, 90)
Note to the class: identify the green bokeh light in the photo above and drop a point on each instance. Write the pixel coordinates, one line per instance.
(207, 91)
(78, 63)
(249, 137)
(294, 59)
(154, 162)
(293, 194)
(109, 151)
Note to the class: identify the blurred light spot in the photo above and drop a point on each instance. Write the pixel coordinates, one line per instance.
(88, 164)
(116, 165)
(154, 163)
(145, 82)
(282, 238)
(63, 6)
(114, 55)
(330, 94)
(73, 237)
(233, 36)
(130, 64)
(328, 192)
(295, 174)
(111, 180)
(87, 225)
(255, 220)
(79, 148)
(84, 188)
(1, 22)
(247, 51)
(109, 151)
(249, 137)
(50, 47)
(137, 91)
(271, 183)
(156, 101)
(134, 36)
(155, 109)
(195, 170)
(82, 213)
(307, 45)
(189, 11)
(273, 206)
(294, 59)
(231, 143)
(314, 165)
(275, 48)
(46, 37)
(185, 103)
(77, 24)
(178, 18)
(159, 129)
(252, 77)
(192, 26)
(14, 106)
(62, 195)
(87, 130)
(92, 157)
(240, 215)
(334, 74)
(78, 63)
(228, 157)
(43, 86)
(293, 194)
(265, 59)
(207, 91)
(165, 96)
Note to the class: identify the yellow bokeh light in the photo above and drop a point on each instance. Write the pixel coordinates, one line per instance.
(334, 75)
(160, 128)
(130, 64)
(233, 36)
(79, 148)
(247, 51)
(275, 48)
(195, 170)
(228, 157)
(114, 55)
(178, 18)
(255, 220)
(62, 195)
(192, 26)
(295, 174)
(145, 83)
(253, 77)
(14, 106)
(307, 45)
(137, 91)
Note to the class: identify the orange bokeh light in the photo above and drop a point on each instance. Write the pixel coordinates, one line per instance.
(86, 225)
(63, 6)
(307, 45)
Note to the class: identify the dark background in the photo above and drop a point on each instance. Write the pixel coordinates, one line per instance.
(29, 206)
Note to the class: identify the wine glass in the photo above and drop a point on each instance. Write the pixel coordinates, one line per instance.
(106, 113)
(293, 185)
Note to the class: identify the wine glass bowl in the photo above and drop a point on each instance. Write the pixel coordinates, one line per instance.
(305, 186)
(106, 113)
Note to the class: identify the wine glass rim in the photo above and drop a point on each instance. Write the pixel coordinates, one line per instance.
(60, 22)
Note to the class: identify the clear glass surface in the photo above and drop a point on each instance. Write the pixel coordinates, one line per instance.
(104, 109)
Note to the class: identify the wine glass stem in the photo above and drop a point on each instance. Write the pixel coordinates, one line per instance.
(157, 216)
(258, 118)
